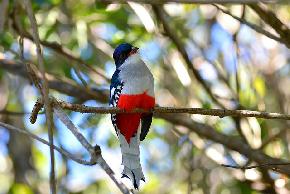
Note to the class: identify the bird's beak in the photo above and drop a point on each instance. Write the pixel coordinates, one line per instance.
(133, 51)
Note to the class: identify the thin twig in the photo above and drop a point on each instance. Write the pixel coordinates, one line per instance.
(48, 111)
(160, 14)
(59, 49)
(272, 20)
(65, 86)
(60, 150)
(252, 26)
(257, 166)
(95, 151)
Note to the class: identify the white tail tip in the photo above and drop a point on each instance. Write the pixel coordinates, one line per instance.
(135, 175)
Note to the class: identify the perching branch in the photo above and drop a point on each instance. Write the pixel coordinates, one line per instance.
(201, 129)
(162, 110)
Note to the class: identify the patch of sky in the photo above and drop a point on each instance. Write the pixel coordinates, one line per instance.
(192, 50)
(28, 100)
(8, 55)
(159, 129)
(245, 53)
(44, 149)
(158, 150)
(208, 72)
(150, 51)
(76, 78)
(26, 53)
(110, 68)
(106, 31)
(211, 53)
(67, 138)
(4, 138)
(245, 35)
(15, 46)
(192, 18)
(81, 175)
(47, 52)
(284, 71)
(226, 125)
(86, 52)
(222, 40)
(103, 131)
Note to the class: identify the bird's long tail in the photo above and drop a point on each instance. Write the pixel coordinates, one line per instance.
(131, 159)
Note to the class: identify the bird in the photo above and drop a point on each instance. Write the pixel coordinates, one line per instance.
(132, 86)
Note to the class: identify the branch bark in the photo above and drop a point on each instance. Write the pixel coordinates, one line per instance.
(272, 20)
(65, 86)
(161, 110)
(204, 130)
(254, 26)
(160, 14)
(45, 93)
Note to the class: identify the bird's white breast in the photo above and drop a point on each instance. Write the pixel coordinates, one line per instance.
(136, 76)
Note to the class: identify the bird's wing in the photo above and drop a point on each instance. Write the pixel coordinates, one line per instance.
(146, 120)
(115, 91)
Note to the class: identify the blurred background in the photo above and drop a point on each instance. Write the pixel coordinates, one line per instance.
(200, 57)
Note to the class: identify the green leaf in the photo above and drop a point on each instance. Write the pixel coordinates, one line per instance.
(18, 188)
(260, 87)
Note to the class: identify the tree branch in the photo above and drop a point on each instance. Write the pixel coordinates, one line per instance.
(230, 142)
(48, 111)
(95, 153)
(271, 19)
(160, 14)
(162, 110)
(201, 129)
(60, 150)
(253, 26)
(58, 49)
(3, 13)
(65, 86)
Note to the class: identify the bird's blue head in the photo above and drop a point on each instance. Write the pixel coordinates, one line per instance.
(122, 52)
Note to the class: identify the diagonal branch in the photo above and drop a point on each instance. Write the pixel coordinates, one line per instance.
(95, 152)
(60, 150)
(230, 142)
(160, 14)
(253, 26)
(45, 93)
(65, 86)
(271, 19)
(56, 48)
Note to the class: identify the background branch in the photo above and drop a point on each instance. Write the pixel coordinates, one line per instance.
(48, 111)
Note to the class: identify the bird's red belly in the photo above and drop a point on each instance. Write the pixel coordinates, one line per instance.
(129, 102)
(128, 123)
